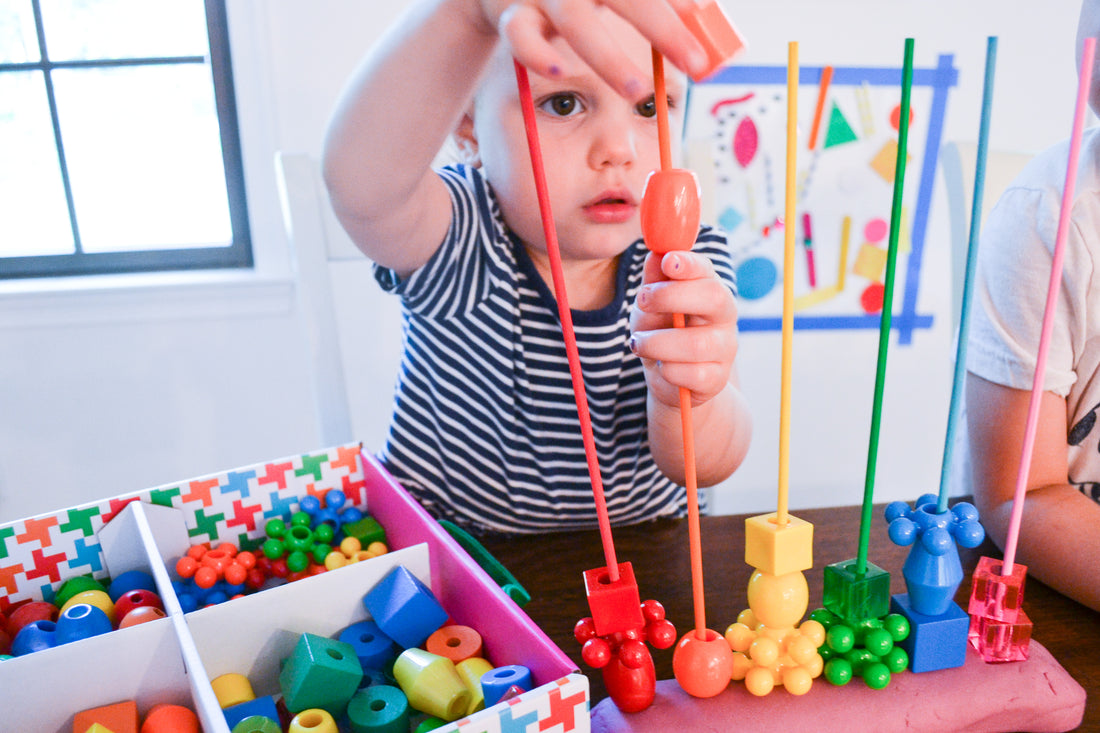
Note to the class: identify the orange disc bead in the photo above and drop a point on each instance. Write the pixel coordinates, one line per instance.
(456, 642)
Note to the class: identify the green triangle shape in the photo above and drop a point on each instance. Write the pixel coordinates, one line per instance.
(840, 131)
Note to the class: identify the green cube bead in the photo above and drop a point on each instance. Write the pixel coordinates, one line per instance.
(853, 597)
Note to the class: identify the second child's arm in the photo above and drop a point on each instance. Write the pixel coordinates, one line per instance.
(1058, 542)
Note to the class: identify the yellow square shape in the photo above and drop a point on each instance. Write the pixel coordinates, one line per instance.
(779, 550)
(870, 262)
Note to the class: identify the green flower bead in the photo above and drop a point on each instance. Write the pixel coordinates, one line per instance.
(299, 539)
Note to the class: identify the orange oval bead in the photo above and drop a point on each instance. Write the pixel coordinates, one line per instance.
(670, 210)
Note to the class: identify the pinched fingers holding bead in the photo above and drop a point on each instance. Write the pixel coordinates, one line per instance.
(530, 26)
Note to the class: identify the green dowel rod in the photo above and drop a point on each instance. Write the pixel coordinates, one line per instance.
(887, 308)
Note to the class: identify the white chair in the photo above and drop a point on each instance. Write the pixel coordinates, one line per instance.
(958, 161)
(352, 328)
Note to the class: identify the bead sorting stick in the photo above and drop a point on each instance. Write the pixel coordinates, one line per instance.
(664, 140)
(1084, 81)
(887, 307)
(788, 287)
(554, 256)
(959, 379)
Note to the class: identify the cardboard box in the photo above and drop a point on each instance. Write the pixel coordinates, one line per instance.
(173, 659)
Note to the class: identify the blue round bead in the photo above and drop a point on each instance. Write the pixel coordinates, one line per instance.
(34, 637)
(128, 581)
(80, 621)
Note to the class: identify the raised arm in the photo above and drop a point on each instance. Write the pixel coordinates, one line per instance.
(413, 87)
(393, 117)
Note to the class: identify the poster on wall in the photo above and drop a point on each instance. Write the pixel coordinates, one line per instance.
(847, 150)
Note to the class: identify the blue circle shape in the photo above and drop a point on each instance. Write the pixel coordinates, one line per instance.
(756, 277)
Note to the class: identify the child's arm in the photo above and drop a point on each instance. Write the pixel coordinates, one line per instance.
(699, 357)
(1058, 542)
(410, 92)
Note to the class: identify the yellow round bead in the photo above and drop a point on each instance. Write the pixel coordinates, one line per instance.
(748, 618)
(350, 545)
(801, 649)
(759, 681)
(335, 560)
(764, 651)
(816, 665)
(814, 631)
(378, 548)
(797, 680)
(739, 636)
(96, 598)
(741, 666)
(778, 600)
(232, 689)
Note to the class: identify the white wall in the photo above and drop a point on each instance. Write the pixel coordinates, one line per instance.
(116, 384)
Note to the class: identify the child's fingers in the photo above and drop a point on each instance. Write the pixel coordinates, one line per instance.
(686, 266)
(660, 23)
(580, 24)
(527, 32)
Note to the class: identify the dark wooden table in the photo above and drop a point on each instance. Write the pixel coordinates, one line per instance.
(550, 567)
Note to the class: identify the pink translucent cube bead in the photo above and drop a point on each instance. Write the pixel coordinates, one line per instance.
(997, 596)
(1001, 641)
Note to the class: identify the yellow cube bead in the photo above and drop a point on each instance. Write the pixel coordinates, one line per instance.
(779, 550)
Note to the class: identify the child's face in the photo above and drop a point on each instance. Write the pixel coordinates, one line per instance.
(598, 148)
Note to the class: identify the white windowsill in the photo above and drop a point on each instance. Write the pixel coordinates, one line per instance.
(106, 299)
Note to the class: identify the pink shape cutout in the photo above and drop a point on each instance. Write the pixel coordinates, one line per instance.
(875, 231)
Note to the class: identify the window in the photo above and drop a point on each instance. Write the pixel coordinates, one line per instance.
(119, 149)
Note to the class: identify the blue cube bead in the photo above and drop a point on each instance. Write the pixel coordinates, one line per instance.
(404, 608)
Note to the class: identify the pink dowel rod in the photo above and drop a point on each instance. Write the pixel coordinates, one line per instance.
(1084, 83)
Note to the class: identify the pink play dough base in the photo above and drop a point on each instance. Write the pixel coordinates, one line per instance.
(1036, 695)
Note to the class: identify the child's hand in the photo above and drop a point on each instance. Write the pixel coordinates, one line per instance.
(699, 357)
(530, 25)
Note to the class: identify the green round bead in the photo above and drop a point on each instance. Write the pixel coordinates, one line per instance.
(876, 675)
(878, 642)
(273, 549)
(838, 671)
(897, 625)
(297, 561)
(275, 528)
(324, 533)
(896, 660)
(825, 617)
(300, 519)
(74, 586)
(320, 552)
(840, 638)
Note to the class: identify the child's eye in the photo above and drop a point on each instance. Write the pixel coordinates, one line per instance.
(648, 108)
(565, 104)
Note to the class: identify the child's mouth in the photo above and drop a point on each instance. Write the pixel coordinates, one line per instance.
(611, 210)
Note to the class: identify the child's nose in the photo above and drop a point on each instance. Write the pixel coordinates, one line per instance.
(613, 144)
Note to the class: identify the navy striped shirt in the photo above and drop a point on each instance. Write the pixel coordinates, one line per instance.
(485, 430)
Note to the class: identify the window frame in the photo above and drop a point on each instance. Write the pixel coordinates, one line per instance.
(237, 255)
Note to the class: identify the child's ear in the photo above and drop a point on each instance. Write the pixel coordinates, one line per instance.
(465, 137)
